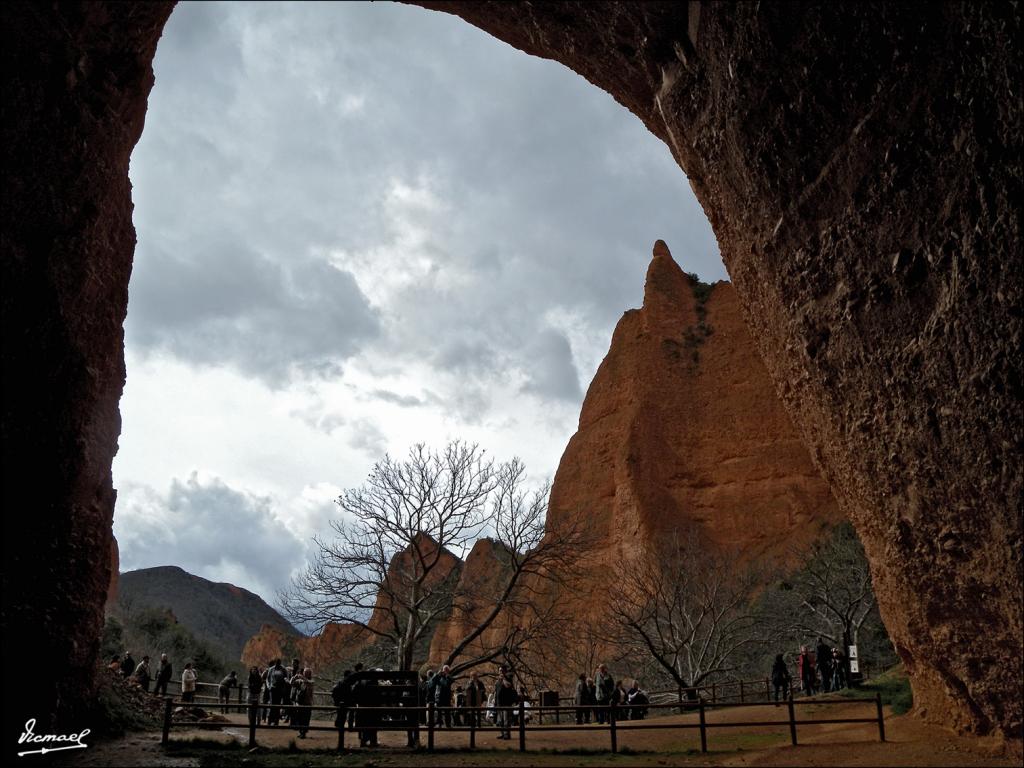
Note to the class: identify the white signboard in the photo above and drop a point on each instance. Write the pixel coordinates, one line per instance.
(854, 667)
(852, 651)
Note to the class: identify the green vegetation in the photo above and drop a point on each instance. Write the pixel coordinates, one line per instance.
(894, 685)
(696, 335)
(151, 631)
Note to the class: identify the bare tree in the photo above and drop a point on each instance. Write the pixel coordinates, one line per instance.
(394, 567)
(511, 612)
(687, 607)
(831, 595)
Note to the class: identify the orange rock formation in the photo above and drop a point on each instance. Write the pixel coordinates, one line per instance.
(682, 427)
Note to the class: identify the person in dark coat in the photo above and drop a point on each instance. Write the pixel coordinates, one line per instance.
(505, 698)
(780, 678)
(637, 700)
(255, 686)
(823, 655)
(127, 664)
(163, 675)
(605, 684)
(838, 670)
(303, 686)
(580, 698)
(224, 690)
(476, 697)
(443, 696)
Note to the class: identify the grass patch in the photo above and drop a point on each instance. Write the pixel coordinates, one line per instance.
(893, 684)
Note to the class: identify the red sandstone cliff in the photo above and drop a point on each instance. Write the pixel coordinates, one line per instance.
(681, 426)
(342, 641)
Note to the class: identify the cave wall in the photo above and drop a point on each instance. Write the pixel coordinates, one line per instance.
(76, 78)
(857, 162)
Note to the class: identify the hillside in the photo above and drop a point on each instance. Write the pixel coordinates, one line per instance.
(221, 615)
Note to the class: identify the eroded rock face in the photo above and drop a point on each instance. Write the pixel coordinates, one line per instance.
(335, 643)
(482, 579)
(681, 429)
(858, 162)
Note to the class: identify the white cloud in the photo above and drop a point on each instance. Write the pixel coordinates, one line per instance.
(363, 226)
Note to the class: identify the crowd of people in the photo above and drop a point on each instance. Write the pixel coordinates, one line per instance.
(819, 671)
(457, 703)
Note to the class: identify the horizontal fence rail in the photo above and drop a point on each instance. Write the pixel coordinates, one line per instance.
(407, 718)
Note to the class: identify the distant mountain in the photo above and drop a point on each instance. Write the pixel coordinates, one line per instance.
(221, 615)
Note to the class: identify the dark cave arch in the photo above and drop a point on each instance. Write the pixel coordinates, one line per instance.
(857, 163)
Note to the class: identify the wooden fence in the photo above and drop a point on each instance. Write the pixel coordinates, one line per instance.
(407, 719)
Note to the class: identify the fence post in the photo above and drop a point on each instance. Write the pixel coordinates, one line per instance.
(714, 693)
(522, 726)
(430, 726)
(767, 690)
(473, 714)
(341, 728)
(167, 721)
(703, 729)
(792, 719)
(680, 699)
(239, 710)
(611, 726)
(742, 697)
(881, 720)
(254, 717)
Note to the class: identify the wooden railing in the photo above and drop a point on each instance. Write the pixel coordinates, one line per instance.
(408, 719)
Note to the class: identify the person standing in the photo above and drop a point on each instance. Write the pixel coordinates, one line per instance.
(805, 664)
(637, 701)
(579, 698)
(590, 712)
(823, 654)
(188, 683)
(476, 697)
(142, 675)
(443, 696)
(780, 678)
(618, 699)
(605, 689)
(224, 690)
(277, 678)
(127, 665)
(255, 686)
(838, 670)
(303, 686)
(163, 675)
(505, 699)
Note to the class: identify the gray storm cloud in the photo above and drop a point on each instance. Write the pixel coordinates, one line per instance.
(210, 529)
(324, 188)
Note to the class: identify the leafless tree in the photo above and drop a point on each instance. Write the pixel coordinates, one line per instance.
(830, 596)
(687, 607)
(393, 568)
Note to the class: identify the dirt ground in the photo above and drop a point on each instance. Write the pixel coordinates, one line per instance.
(909, 742)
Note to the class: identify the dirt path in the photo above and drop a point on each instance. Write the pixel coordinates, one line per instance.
(909, 743)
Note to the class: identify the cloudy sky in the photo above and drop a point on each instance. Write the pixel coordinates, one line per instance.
(363, 225)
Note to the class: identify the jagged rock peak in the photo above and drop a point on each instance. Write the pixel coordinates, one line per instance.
(666, 284)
